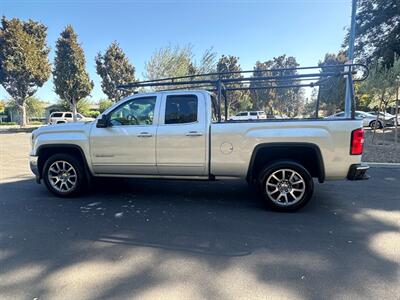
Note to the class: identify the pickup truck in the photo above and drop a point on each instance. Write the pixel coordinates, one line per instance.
(175, 134)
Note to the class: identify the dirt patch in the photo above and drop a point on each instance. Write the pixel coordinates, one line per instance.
(383, 148)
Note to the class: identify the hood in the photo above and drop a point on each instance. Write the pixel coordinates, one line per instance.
(66, 127)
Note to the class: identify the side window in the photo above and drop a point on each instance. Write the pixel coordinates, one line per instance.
(181, 109)
(68, 115)
(242, 114)
(56, 115)
(139, 111)
(253, 113)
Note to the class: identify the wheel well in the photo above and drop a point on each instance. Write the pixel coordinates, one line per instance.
(308, 155)
(45, 152)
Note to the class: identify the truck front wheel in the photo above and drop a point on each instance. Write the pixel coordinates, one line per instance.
(64, 175)
(286, 186)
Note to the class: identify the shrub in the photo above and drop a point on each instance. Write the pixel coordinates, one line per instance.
(92, 113)
(104, 104)
(8, 123)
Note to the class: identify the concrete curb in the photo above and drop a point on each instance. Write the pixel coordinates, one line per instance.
(383, 165)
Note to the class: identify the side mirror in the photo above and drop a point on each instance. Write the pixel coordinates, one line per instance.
(103, 122)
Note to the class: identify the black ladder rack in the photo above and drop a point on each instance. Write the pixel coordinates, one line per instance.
(222, 83)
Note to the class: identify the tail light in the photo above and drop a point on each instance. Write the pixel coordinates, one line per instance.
(357, 142)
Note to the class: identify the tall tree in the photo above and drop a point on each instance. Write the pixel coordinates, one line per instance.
(278, 97)
(332, 91)
(237, 100)
(24, 64)
(71, 81)
(176, 61)
(378, 30)
(262, 92)
(114, 69)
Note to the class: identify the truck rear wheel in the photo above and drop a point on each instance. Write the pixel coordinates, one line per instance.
(286, 186)
(63, 175)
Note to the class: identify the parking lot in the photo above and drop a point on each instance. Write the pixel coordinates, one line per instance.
(191, 240)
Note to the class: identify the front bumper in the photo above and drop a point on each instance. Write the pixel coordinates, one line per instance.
(33, 163)
(357, 172)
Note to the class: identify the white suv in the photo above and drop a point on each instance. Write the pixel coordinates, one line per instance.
(250, 115)
(60, 117)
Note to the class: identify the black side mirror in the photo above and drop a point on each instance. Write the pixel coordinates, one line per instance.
(103, 122)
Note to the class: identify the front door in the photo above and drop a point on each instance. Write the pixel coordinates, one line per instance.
(181, 136)
(128, 145)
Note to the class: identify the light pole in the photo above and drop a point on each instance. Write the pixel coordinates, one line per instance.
(350, 56)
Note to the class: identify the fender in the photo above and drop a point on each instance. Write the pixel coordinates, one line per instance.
(45, 147)
(314, 147)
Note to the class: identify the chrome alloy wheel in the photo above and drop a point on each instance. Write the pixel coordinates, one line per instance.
(62, 176)
(285, 187)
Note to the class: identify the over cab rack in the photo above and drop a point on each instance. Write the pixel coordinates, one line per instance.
(223, 83)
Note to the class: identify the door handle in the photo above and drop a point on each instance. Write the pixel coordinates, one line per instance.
(144, 134)
(194, 133)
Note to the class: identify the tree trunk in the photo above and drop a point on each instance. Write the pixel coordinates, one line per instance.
(383, 129)
(22, 118)
(74, 111)
(377, 116)
(397, 115)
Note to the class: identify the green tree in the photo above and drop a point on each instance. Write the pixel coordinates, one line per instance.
(24, 64)
(34, 107)
(114, 69)
(82, 106)
(237, 100)
(377, 31)
(176, 61)
(2, 106)
(277, 97)
(104, 104)
(332, 91)
(262, 93)
(71, 81)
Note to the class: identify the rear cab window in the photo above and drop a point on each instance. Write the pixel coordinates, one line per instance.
(181, 109)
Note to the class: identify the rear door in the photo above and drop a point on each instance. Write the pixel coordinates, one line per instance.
(68, 117)
(181, 135)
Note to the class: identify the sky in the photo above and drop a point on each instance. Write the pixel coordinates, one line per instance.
(252, 30)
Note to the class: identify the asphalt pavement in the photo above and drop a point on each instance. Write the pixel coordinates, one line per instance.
(160, 239)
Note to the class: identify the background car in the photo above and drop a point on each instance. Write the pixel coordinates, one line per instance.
(60, 117)
(369, 120)
(390, 120)
(250, 115)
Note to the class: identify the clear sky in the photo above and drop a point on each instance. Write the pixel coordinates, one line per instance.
(252, 30)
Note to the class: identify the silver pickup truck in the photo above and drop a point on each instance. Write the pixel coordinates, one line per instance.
(176, 134)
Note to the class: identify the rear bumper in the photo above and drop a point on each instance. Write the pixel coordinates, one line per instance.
(33, 163)
(358, 172)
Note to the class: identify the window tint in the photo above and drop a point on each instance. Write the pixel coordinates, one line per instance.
(68, 115)
(56, 115)
(253, 113)
(181, 109)
(138, 111)
(242, 114)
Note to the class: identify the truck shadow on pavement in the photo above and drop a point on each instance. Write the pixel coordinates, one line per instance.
(140, 235)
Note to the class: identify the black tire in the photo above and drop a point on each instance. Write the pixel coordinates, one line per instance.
(372, 125)
(80, 180)
(294, 195)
